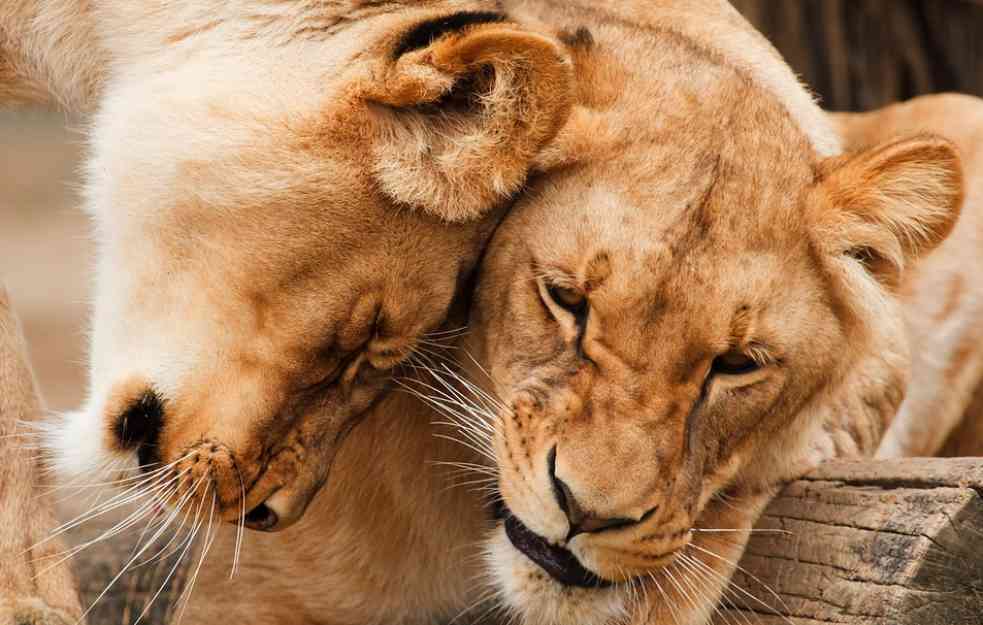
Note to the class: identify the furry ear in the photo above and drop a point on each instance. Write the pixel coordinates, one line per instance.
(465, 104)
(892, 204)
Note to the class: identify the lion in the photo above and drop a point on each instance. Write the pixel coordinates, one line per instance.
(287, 198)
(699, 296)
(703, 301)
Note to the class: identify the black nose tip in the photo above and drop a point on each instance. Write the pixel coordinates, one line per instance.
(139, 425)
(580, 520)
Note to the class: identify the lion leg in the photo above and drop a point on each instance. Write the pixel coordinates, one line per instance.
(30, 592)
(689, 591)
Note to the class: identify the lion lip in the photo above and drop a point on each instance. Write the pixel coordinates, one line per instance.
(560, 563)
(261, 518)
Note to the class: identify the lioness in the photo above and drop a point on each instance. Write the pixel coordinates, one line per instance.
(631, 419)
(278, 234)
(706, 300)
(287, 196)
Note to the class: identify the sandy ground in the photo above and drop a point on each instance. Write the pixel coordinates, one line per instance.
(45, 252)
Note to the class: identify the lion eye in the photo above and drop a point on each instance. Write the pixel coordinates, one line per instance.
(733, 363)
(570, 300)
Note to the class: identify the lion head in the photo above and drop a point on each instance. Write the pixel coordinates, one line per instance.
(690, 302)
(285, 202)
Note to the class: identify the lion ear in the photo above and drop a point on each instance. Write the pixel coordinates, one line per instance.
(890, 205)
(465, 103)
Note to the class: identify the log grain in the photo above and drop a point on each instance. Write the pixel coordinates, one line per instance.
(869, 543)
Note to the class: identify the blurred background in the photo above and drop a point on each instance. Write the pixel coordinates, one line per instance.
(855, 54)
(45, 251)
(862, 54)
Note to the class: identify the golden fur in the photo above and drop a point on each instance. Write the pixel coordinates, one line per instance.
(697, 219)
(687, 204)
(698, 205)
(287, 197)
(944, 301)
(29, 595)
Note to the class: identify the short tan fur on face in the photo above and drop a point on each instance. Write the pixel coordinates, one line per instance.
(703, 217)
(286, 197)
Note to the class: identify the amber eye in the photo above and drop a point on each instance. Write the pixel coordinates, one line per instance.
(570, 300)
(733, 363)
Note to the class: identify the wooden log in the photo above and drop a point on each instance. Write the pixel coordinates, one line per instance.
(869, 543)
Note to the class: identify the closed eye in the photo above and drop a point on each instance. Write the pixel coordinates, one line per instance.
(570, 300)
(733, 363)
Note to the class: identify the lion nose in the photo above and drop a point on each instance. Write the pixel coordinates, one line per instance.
(138, 426)
(582, 521)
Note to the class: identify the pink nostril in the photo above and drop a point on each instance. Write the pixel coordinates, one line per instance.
(261, 518)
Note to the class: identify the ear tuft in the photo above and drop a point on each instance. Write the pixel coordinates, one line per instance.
(463, 111)
(892, 204)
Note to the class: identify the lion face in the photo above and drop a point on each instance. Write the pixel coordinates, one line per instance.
(669, 321)
(278, 229)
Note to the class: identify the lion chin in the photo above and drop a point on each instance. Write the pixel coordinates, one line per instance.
(531, 595)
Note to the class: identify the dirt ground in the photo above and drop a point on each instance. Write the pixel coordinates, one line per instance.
(45, 251)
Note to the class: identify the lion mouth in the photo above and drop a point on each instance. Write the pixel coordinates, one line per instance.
(261, 518)
(558, 562)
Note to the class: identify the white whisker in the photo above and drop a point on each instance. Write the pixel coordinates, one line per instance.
(736, 566)
(125, 568)
(210, 535)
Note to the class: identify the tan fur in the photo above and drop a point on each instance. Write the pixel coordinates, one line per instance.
(287, 196)
(31, 592)
(849, 371)
(697, 215)
(50, 53)
(944, 300)
(698, 203)
(285, 202)
(392, 538)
